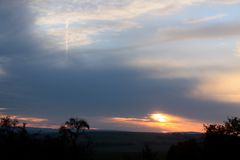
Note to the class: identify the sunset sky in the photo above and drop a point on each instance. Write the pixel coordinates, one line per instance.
(136, 65)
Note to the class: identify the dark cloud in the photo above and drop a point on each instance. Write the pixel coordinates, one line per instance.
(40, 82)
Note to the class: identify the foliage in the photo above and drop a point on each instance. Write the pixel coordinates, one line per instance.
(220, 141)
(148, 154)
(186, 150)
(72, 129)
(229, 128)
(7, 121)
(16, 142)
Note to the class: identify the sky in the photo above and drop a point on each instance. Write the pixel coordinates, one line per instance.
(135, 65)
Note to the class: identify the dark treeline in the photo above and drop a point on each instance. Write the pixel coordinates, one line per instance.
(220, 141)
(70, 143)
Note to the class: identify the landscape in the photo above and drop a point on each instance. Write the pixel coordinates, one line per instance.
(119, 79)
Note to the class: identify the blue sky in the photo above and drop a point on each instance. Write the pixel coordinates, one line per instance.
(119, 63)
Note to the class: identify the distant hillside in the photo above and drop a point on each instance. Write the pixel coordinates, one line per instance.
(124, 141)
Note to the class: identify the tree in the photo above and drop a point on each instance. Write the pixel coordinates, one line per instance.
(148, 154)
(222, 140)
(187, 150)
(231, 127)
(77, 125)
(72, 129)
(7, 121)
(8, 125)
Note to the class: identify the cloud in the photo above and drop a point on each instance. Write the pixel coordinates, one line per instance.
(3, 109)
(221, 30)
(52, 16)
(28, 119)
(95, 82)
(223, 87)
(2, 72)
(161, 121)
(204, 19)
(31, 121)
(157, 67)
(80, 36)
(229, 2)
(53, 12)
(237, 50)
(37, 125)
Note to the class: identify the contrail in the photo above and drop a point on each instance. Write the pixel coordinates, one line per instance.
(66, 37)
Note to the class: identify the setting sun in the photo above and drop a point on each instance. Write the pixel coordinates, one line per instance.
(158, 117)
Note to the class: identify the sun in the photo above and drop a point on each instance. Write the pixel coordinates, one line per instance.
(158, 117)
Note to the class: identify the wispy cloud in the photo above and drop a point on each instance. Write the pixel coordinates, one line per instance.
(35, 122)
(158, 67)
(80, 36)
(52, 15)
(229, 2)
(27, 119)
(221, 30)
(204, 19)
(53, 12)
(32, 119)
(42, 125)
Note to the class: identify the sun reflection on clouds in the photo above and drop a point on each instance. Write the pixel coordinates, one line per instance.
(162, 122)
(237, 50)
(223, 87)
(159, 117)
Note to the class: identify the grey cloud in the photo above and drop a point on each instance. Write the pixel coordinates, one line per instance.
(36, 87)
(220, 30)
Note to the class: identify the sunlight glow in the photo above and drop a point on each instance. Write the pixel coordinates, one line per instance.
(223, 87)
(158, 117)
(160, 122)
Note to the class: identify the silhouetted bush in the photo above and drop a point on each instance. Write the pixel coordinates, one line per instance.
(220, 141)
(148, 154)
(16, 142)
(187, 150)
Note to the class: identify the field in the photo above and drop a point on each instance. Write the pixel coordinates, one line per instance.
(128, 145)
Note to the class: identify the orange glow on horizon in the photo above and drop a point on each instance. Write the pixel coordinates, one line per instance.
(161, 122)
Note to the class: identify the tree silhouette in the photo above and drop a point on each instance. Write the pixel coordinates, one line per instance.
(14, 138)
(79, 125)
(7, 121)
(187, 150)
(73, 128)
(220, 141)
(148, 154)
(230, 128)
(8, 125)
